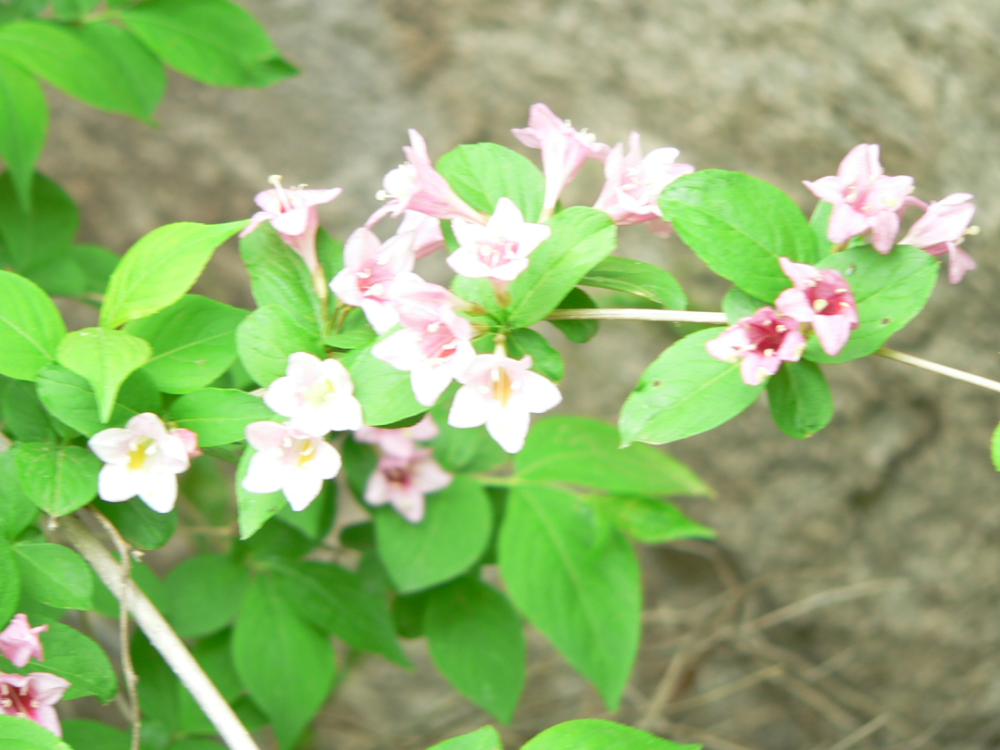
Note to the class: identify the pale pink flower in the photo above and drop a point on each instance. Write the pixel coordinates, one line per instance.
(292, 212)
(371, 268)
(823, 298)
(143, 458)
(399, 442)
(190, 440)
(634, 183)
(289, 461)
(417, 186)
(763, 341)
(863, 198)
(564, 150)
(498, 250)
(502, 393)
(5, 443)
(316, 395)
(20, 643)
(32, 696)
(403, 482)
(942, 229)
(427, 235)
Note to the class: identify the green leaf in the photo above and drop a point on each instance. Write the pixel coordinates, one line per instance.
(55, 575)
(266, 337)
(464, 450)
(585, 452)
(483, 173)
(335, 601)
(158, 686)
(17, 512)
(890, 290)
(738, 304)
(87, 62)
(219, 415)
(577, 331)
(546, 360)
(599, 734)
(800, 399)
(254, 509)
(581, 238)
(25, 415)
(142, 527)
(24, 734)
(214, 654)
(40, 236)
(486, 738)
(649, 521)
(70, 398)
(818, 223)
(68, 10)
(213, 41)
(58, 479)
(10, 582)
(278, 276)
(451, 537)
(316, 520)
(24, 123)
(105, 358)
(354, 332)
(30, 327)
(97, 264)
(477, 641)
(575, 581)
(684, 392)
(994, 448)
(739, 226)
(14, 9)
(106, 604)
(286, 665)
(205, 593)
(87, 734)
(385, 393)
(641, 279)
(160, 268)
(194, 342)
(60, 276)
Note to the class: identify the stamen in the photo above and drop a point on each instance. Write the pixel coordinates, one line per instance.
(972, 231)
(769, 352)
(381, 195)
(819, 305)
(286, 204)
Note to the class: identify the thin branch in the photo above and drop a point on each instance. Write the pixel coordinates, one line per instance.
(861, 733)
(951, 372)
(639, 313)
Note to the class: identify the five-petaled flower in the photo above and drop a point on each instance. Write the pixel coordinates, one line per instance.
(763, 341)
(941, 230)
(864, 198)
(143, 458)
(823, 298)
(404, 480)
(316, 395)
(498, 250)
(289, 461)
(32, 696)
(399, 442)
(501, 393)
(20, 643)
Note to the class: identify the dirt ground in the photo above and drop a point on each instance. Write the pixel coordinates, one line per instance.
(852, 598)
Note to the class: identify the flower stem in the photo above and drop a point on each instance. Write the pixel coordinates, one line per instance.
(951, 372)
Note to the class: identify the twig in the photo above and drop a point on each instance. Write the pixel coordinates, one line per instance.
(162, 637)
(861, 732)
(818, 701)
(710, 740)
(639, 313)
(666, 689)
(822, 599)
(724, 691)
(951, 372)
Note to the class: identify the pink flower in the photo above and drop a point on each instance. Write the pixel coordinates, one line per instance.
(399, 442)
(190, 440)
(292, 213)
(289, 461)
(763, 341)
(416, 186)
(564, 150)
(634, 182)
(501, 393)
(863, 198)
(499, 250)
(427, 235)
(403, 482)
(32, 696)
(316, 396)
(371, 267)
(143, 459)
(942, 229)
(823, 298)
(19, 641)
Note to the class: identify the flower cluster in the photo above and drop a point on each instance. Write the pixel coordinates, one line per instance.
(29, 696)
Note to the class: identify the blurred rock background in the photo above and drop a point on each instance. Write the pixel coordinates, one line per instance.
(897, 496)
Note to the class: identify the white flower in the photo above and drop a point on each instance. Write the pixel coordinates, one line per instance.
(499, 250)
(316, 396)
(289, 461)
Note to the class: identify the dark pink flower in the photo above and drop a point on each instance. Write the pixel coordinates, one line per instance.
(32, 696)
(20, 643)
(404, 482)
(942, 229)
(763, 341)
(190, 440)
(399, 442)
(823, 298)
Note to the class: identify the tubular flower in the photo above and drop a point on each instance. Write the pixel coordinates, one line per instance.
(292, 212)
(403, 482)
(427, 235)
(32, 696)
(942, 229)
(863, 198)
(289, 461)
(564, 150)
(143, 459)
(499, 250)
(416, 186)
(501, 393)
(823, 298)
(634, 183)
(316, 395)
(763, 341)
(399, 442)
(20, 643)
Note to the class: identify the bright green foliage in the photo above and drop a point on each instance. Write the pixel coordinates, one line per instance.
(486, 738)
(265, 339)
(641, 279)
(739, 226)
(36, 238)
(30, 327)
(354, 332)
(70, 398)
(24, 122)
(104, 357)
(598, 734)
(87, 734)
(546, 360)
(140, 525)
(684, 392)
(24, 734)
(384, 392)
(58, 479)
(219, 415)
(647, 520)
(460, 620)
(278, 276)
(800, 398)
(483, 173)
(578, 331)
(54, 575)
(463, 450)
(97, 264)
(588, 601)
(158, 687)
(71, 9)
(160, 268)
(316, 520)
(994, 448)
(205, 594)
(738, 304)
(818, 223)
(10, 582)
(18, 510)
(25, 416)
